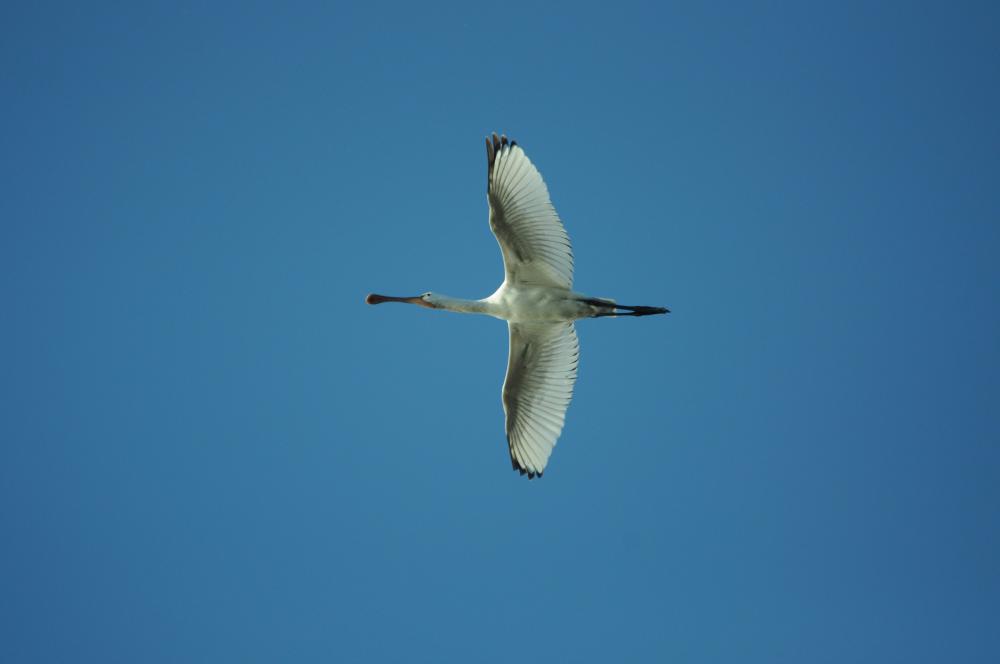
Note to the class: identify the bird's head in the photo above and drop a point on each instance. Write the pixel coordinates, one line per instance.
(425, 300)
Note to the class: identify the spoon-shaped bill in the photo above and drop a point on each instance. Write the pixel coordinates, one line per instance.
(375, 298)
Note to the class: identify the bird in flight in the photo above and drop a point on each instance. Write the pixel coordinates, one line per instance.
(538, 302)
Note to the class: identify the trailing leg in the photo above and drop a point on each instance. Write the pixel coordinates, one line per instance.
(611, 308)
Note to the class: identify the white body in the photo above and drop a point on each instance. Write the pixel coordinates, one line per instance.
(524, 304)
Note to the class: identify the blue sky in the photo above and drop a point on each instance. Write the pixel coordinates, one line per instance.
(213, 450)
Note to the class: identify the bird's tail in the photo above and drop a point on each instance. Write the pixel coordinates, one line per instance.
(608, 307)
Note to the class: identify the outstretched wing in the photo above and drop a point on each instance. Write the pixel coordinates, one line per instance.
(541, 372)
(536, 249)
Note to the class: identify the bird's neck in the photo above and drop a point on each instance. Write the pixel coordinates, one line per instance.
(460, 305)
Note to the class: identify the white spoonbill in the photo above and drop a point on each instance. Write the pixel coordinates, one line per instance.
(536, 299)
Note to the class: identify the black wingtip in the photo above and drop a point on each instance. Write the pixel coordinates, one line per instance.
(494, 145)
(523, 471)
(497, 143)
(492, 149)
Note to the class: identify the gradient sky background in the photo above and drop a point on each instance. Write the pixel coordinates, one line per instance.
(214, 451)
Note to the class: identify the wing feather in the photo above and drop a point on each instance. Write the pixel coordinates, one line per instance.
(535, 246)
(541, 373)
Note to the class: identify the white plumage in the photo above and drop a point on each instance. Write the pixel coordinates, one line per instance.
(541, 371)
(536, 249)
(537, 301)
